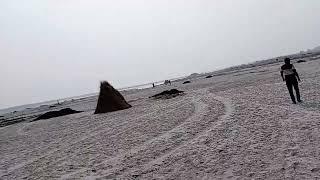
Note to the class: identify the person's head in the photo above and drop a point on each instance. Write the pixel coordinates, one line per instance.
(287, 60)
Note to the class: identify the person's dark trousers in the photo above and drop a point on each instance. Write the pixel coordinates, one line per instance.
(292, 82)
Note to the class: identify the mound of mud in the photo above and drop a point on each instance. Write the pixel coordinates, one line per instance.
(110, 99)
(53, 114)
(301, 61)
(167, 94)
(186, 82)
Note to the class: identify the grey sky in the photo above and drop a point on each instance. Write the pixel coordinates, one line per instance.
(51, 49)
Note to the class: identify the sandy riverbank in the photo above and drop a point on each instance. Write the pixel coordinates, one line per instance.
(238, 125)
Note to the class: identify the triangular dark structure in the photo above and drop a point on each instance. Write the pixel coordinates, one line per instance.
(110, 99)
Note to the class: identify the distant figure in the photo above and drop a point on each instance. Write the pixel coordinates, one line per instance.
(166, 82)
(290, 75)
(153, 85)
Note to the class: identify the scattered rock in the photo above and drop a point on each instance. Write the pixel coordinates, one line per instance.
(210, 76)
(53, 114)
(135, 176)
(186, 82)
(167, 94)
(110, 99)
(301, 61)
(295, 165)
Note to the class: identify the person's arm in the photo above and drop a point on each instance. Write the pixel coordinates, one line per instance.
(296, 73)
(281, 72)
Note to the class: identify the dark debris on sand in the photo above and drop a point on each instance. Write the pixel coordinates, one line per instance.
(53, 114)
(301, 61)
(186, 82)
(167, 94)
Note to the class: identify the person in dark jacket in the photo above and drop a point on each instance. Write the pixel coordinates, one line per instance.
(290, 75)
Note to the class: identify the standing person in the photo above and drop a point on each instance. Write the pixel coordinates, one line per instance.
(290, 75)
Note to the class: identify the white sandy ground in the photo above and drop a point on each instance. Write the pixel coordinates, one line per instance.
(236, 126)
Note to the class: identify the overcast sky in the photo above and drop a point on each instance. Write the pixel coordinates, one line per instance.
(51, 49)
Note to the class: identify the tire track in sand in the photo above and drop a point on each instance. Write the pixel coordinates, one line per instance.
(159, 148)
(138, 148)
(228, 107)
(69, 175)
(93, 133)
